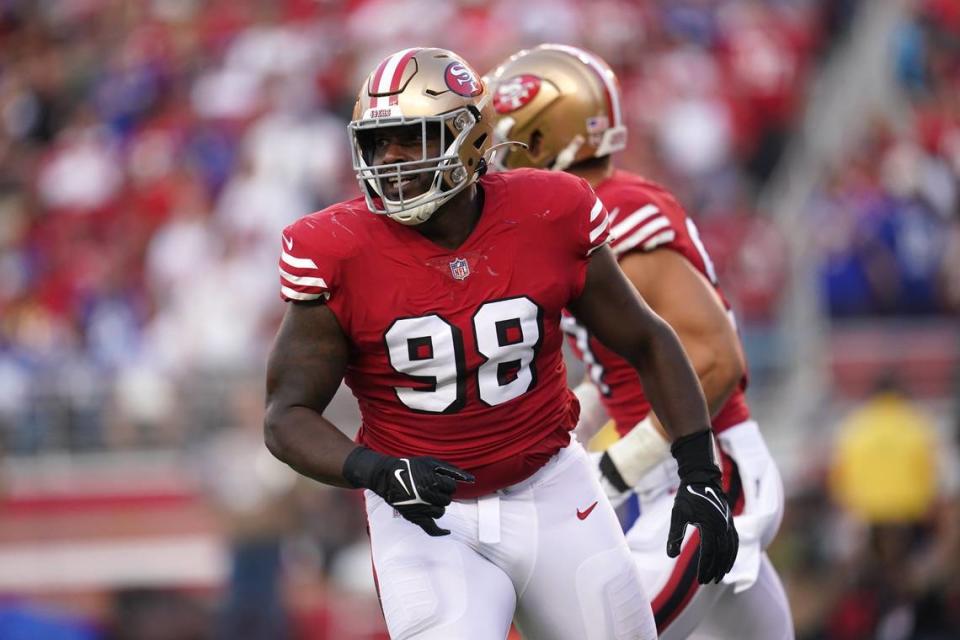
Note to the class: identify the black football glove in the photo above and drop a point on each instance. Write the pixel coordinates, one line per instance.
(701, 502)
(418, 488)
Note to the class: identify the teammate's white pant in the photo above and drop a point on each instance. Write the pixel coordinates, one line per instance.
(749, 603)
(548, 551)
(762, 611)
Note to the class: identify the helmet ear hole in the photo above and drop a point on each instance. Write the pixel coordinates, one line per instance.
(536, 143)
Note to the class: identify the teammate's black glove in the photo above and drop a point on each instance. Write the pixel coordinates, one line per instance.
(700, 501)
(418, 488)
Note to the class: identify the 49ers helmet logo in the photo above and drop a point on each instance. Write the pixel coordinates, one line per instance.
(516, 92)
(462, 80)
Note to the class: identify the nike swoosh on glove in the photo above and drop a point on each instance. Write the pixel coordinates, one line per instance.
(701, 502)
(419, 488)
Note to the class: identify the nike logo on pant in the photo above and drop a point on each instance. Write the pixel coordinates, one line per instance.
(583, 514)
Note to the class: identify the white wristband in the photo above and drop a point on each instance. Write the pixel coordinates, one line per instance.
(640, 450)
(592, 413)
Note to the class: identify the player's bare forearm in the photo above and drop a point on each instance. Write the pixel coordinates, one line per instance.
(305, 368)
(614, 312)
(686, 300)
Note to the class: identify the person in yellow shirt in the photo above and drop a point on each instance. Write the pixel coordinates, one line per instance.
(885, 466)
(903, 573)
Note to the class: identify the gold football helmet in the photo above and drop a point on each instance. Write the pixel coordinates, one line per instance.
(561, 102)
(439, 92)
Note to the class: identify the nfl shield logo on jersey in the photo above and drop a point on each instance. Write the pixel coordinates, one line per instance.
(459, 268)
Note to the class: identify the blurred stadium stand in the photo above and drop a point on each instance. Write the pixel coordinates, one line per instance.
(151, 151)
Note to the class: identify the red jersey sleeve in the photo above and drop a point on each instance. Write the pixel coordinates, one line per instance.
(648, 226)
(586, 226)
(307, 272)
(593, 223)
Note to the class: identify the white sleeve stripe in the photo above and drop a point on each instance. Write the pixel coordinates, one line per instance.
(599, 229)
(597, 246)
(623, 247)
(620, 248)
(296, 295)
(303, 281)
(597, 208)
(661, 238)
(644, 231)
(302, 288)
(634, 219)
(299, 263)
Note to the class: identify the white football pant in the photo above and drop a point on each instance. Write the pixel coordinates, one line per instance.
(547, 552)
(749, 603)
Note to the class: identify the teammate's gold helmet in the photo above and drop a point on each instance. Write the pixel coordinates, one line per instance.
(439, 92)
(560, 101)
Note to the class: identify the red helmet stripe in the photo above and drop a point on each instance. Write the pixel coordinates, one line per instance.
(610, 113)
(387, 77)
(375, 81)
(611, 88)
(398, 73)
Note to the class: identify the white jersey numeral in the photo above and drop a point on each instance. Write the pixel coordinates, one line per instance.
(429, 350)
(508, 334)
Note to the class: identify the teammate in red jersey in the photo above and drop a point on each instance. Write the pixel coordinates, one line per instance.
(443, 316)
(563, 104)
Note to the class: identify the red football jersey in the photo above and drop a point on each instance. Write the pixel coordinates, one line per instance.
(456, 354)
(643, 217)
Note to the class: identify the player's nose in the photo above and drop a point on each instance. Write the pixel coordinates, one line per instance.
(397, 152)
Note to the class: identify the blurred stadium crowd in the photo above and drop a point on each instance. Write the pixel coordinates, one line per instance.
(888, 214)
(152, 150)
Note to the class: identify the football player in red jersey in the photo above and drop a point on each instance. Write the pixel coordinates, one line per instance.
(437, 297)
(563, 104)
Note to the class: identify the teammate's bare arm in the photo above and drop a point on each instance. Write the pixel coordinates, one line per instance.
(305, 368)
(684, 298)
(610, 307)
